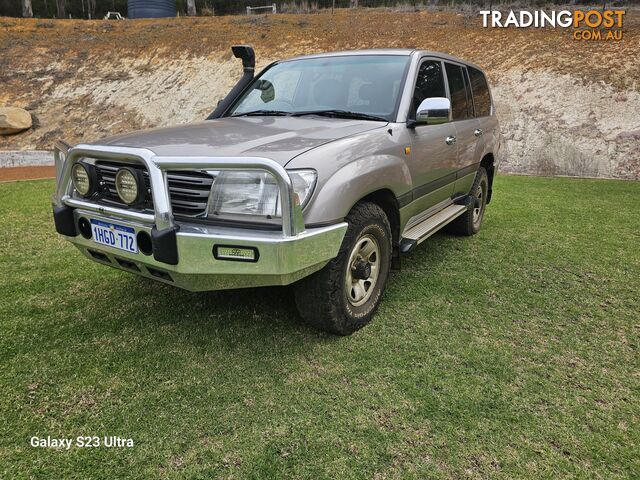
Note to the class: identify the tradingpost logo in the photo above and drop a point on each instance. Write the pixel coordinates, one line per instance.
(589, 25)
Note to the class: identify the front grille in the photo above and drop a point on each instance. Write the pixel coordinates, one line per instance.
(188, 191)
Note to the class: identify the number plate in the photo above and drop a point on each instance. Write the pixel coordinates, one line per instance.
(113, 235)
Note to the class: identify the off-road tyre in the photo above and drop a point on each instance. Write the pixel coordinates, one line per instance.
(322, 297)
(469, 223)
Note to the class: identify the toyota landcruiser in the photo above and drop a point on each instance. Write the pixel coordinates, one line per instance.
(321, 172)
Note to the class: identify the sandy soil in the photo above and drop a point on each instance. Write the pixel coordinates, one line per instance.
(565, 107)
(10, 174)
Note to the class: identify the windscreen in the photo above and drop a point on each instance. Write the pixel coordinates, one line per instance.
(364, 84)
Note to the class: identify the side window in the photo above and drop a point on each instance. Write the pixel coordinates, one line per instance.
(430, 83)
(480, 89)
(460, 105)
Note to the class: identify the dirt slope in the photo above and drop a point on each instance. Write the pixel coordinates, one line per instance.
(566, 107)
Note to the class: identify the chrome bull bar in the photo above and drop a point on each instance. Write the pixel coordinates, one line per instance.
(157, 166)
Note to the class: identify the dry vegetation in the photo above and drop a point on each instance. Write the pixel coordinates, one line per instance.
(566, 107)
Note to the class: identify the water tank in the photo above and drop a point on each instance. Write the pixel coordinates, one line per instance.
(151, 8)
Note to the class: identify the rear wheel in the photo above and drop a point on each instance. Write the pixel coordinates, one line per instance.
(343, 296)
(470, 222)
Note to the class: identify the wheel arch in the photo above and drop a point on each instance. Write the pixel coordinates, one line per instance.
(388, 202)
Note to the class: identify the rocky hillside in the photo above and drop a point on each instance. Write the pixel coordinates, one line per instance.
(566, 107)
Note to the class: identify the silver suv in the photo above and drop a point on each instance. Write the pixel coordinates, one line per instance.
(322, 170)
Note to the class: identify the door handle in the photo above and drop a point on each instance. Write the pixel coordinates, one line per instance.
(450, 140)
(478, 132)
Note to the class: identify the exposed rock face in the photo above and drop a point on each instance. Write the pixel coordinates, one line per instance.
(565, 108)
(559, 125)
(14, 120)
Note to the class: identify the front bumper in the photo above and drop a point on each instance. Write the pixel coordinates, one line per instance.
(281, 260)
(284, 256)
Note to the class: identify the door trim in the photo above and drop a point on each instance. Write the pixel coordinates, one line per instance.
(422, 190)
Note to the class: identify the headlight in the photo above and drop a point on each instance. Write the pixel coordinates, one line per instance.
(256, 193)
(128, 186)
(83, 178)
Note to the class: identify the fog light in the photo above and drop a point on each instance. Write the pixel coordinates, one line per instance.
(128, 186)
(83, 178)
(237, 253)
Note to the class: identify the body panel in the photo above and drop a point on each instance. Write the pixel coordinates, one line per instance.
(491, 139)
(469, 149)
(351, 168)
(277, 138)
(464, 183)
(433, 164)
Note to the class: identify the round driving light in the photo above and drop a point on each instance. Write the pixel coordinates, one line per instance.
(127, 186)
(81, 179)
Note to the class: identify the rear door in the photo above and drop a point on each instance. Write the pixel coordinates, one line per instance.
(488, 123)
(466, 125)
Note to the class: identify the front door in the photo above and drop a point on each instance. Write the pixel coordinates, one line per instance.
(433, 160)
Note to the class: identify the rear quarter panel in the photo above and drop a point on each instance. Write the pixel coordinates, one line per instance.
(491, 135)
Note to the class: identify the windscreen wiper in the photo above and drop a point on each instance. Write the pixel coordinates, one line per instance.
(262, 113)
(341, 114)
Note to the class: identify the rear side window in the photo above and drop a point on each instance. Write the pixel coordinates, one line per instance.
(461, 106)
(430, 83)
(480, 89)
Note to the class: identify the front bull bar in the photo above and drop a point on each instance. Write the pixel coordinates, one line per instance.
(157, 166)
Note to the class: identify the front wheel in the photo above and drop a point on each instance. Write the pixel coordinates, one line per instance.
(343, 296)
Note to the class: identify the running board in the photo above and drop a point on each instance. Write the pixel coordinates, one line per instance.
(423, 230)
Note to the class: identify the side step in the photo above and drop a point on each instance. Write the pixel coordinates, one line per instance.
(423, 230)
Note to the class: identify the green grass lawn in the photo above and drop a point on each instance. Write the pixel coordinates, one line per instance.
(513, 353)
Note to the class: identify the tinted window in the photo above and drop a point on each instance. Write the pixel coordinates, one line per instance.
(460, 105)
(480, 89)
(430, 83)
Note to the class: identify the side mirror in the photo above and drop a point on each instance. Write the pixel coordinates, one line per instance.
(433, 111)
